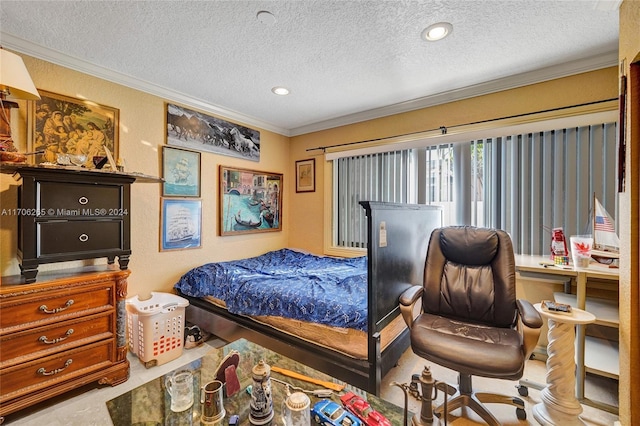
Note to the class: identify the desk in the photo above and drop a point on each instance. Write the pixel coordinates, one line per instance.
(605, 311)
(559, 405)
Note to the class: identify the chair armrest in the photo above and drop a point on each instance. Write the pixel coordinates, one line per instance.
(411, 295)
(529, 325)
(408, 301)
(528, 314)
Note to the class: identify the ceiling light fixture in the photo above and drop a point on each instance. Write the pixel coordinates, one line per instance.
(279, 90)
(266, 17)
(437, 31)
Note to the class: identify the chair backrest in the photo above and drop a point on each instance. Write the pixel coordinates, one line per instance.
(470, 275)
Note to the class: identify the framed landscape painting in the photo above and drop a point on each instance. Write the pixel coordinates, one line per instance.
(195, 130)
(250, 201)
(181, 224)
(181, 172)
(65, 125)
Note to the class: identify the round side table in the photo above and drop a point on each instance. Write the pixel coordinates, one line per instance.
(559, 404)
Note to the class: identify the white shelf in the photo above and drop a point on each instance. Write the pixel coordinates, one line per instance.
(602, 357)
(605, 310)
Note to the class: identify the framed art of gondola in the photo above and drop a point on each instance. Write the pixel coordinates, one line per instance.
(249, 201)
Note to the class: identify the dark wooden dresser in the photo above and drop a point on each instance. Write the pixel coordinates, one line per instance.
(66, 330)
(71, 213)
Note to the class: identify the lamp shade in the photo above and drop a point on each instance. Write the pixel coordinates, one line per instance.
(15, 80)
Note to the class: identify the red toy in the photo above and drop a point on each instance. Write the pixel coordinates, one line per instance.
(363, 410)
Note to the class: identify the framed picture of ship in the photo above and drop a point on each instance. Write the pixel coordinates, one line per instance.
(181, 224)
(181, 172)
(250, 201)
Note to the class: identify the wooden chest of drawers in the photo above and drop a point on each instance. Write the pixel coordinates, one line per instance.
(69, 214)
(62, 332)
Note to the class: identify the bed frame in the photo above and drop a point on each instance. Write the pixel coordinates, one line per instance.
(398, 236)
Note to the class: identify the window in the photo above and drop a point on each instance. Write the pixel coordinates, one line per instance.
(375, 177)
(525, 184)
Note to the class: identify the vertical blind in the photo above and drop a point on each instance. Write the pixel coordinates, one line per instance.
(526, 184)
(373, 177)
(538, 181)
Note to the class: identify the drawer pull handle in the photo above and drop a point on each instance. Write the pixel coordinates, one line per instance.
(83, 237)
(83, 200)
(44, 372)
(44, 339)
(46, 310)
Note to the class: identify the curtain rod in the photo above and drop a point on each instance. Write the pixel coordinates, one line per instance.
(444, 129)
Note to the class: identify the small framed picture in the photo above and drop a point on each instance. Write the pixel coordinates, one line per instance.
(181, 224)
(306, 175)
(181, 172)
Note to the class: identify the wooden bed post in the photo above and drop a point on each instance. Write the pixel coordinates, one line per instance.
(398, 238)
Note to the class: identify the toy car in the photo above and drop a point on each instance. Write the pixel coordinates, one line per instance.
(363, 410)
(328, 413)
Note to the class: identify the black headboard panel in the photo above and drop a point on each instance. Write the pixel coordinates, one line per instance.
(398, 236)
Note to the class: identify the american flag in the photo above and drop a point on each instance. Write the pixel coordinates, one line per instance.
(604, 224)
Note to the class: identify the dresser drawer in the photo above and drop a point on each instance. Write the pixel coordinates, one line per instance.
(42, 341)
(71, 197)
(44, 372)
(79, 236)
(38, 309)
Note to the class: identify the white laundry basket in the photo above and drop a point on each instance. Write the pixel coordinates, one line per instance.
(156, 327)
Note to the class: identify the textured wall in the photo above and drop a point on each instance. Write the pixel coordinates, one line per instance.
(142, 134)
(309, 207)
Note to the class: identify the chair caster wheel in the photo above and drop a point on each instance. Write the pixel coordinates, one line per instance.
(521, 414)
(523, 390)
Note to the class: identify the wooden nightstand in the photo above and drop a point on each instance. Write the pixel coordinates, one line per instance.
(72, 213)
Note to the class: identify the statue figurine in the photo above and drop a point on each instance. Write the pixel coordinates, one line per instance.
(261, 399)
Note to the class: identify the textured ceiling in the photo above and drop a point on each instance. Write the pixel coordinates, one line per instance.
(342, 60)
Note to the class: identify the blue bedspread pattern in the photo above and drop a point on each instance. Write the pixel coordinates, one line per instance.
(287, 283)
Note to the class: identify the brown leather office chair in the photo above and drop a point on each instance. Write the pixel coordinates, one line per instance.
(471, 321)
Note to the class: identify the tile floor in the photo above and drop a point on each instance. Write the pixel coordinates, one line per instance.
(86, 406)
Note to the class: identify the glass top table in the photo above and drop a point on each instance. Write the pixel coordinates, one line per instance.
(149, 404)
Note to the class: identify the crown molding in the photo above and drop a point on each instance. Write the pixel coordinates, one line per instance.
(40, 52)
(544, 74)
(605, 60)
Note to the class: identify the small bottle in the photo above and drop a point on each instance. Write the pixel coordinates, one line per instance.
(120, 165)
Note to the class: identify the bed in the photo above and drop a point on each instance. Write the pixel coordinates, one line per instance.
(356, 333)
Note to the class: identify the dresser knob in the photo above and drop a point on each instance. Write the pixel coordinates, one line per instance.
(44, 339)
(46, 310)
(83, 200)
(44, 372)
(83, 237)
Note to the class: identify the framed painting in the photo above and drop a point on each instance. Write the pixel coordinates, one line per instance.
(181, 224)
(306, 175)
(250, 201)
(84, 130)
(195, 130)
(181, 172)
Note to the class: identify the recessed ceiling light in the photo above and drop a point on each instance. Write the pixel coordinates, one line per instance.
(279, 90)
(437, 31)
(266, 17)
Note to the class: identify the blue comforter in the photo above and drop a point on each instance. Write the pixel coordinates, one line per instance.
(289, 284)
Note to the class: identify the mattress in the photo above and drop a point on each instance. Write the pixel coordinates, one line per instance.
(347, 341)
